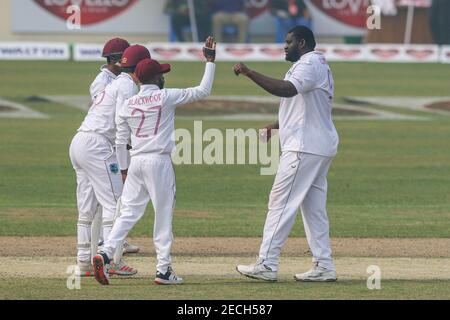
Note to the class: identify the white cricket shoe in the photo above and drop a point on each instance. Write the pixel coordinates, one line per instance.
(168, 278)
(129, 248)
(85, 269)
(257, 271)
(121, 269)
(317, 274)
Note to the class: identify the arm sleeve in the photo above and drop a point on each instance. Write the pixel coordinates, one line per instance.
(122, 136)
(303, 77)
(125, 92)
(96, 86)
(122, 95)
(93, 90)
(177, 97)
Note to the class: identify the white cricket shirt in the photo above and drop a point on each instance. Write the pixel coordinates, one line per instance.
(104, 78)
(305, 119)
(148, 117)
(101, 117)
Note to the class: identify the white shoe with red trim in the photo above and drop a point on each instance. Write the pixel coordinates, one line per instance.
(121, 269)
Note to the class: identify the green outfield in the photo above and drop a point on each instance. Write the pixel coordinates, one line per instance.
(390, 179)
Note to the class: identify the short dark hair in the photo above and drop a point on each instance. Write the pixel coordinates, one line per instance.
(302, 32)
(129, 69)
(113, 58)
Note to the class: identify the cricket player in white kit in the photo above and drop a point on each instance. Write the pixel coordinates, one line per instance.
(309, 142)
(87, 202)
(93, 157)
(148, 118)
(112, 51)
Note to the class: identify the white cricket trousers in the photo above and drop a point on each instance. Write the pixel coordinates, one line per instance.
(150, 177)
(98, 182)
(301, 182)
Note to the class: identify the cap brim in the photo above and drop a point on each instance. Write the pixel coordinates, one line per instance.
(165, 68)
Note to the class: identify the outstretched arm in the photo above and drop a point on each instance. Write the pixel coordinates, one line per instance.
(177, 97)
(279, 88)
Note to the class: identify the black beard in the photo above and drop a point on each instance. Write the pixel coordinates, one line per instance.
(292, 56)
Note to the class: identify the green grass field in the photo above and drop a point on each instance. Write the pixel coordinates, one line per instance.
(200, 288)
(390, 179)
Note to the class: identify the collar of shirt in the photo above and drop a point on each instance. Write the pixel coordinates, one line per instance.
(105, 69)
(125, 75)
(306, 55)
(147, 88)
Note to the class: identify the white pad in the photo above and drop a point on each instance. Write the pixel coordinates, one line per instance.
(119, 250)
(95, 231)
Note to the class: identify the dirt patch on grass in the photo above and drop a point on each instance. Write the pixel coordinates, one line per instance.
(440, 106)
(226, 107)
(48, 214)
(6, 109)
(241, 247)
(247, 106)
(38, 212)
(341, 112)
(10, 109)
(37, 99)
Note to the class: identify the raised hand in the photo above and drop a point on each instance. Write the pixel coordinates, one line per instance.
(209, 49)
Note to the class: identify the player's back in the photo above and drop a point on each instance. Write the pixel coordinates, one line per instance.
(101, 117)
(100, 82)
(150, 117)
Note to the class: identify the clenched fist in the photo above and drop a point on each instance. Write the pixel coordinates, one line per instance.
(267, 132)
(241, 68)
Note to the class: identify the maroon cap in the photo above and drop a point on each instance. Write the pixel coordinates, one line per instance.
(133, 55)
(148, 68)
(115, 46)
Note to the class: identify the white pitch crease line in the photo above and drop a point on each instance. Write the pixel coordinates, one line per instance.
(19, 111)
